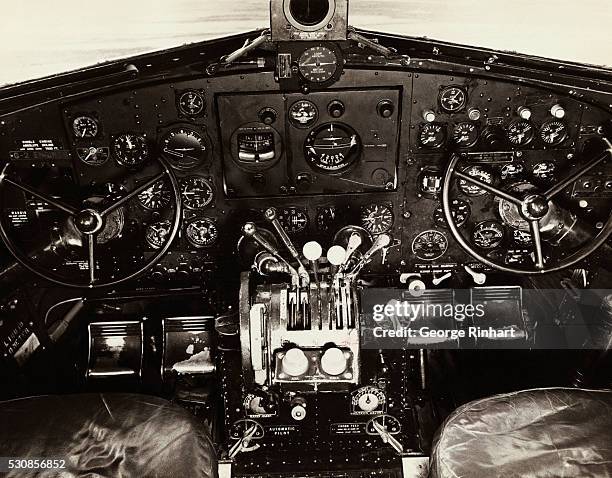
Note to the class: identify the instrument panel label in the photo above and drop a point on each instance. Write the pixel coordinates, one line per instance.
(347, 428)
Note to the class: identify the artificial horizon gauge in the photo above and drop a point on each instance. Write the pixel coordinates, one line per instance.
(430, 245)
(303, 114)
(520, 132)
(544, 170)
(432, 135)
(293, 219)
(453, 99)
(191, 103)
(318, 64)
(85, 127)
(93, 156)
(488, 234)
(479, 173)
(185, 148)
(460, 211)
(157, 233)
(553, 132)
(202, 233)
(332, 147)
(368, 400)
(130, 150)
(511, 170)
(465, 134)
(377, 218)
(155, 197)
(196, 192)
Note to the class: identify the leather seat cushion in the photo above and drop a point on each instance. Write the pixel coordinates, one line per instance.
(107, 435)
(533, 433)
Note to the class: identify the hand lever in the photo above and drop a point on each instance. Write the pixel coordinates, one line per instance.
(272, 217)
(313, 251)
(387, 437)
(354, 243)
(479, 277)
(380, 243)
(243, 443)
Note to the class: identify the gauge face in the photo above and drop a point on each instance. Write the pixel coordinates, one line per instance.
(93, 156)
(460, 210)
(157, 234)
(303, 114)
(326, 218)
(318, 64)
(256, 147)
(488, 235)
(430, 245)
(453, 99)
(377, 218)
(156, 197)
(293, 219)
(544, 170)
(185, 148)
(191, 103)
(553, 132)
(130, 149)
(512, 170)
(465, 134)
(368, 400)
(85, 127)
(479, 173)
(520, 132)
(196, 192)
(202, 233)
(522, 238)
(430, 181)
(432, 135)
(332, 148)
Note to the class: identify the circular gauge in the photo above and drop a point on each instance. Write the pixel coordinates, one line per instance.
(326, 218)
(465, 134)
(303, 114)
(488, 234)
(520, 132)
(460, 210)
(553, 132)
(293, 219)
(196, 192)
(332, 147)
(453, 99)
(202, 233)
(367, 400)
(185, 148)
(432, 135)
(479, 173)
(430, 245)
(93, 156)
(318, 64)
(156, 197)
(544, 170)
(430, 181)
(191, 103)
(157, 233)
(512, 170)
(130, 150)
(522, 238)
(85, 127)
(377, 218)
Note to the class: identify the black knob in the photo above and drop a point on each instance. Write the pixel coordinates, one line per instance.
(303, 178)
(336, 109)
(268, 116)
(385, 109)
(494, 137)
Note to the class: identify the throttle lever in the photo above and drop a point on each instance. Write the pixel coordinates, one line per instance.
(380, 243)
(354, 243)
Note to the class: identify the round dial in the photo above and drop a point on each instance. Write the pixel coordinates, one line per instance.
(303, 114)
(318, 64)
(477, 172)
(332, 147)
(185, 148)
(377, 218)
(196, 192)
(453, 99)
(202, 233)
(465, 134)
(553, 132)
(93, 156)
(156, 197)
(512, 170)
(85, 127)
(430, 245)
(520, 132)
(488, 234)
(432, 135)
(544, 170)
(157, 233)
(130, 149)
(191, 103)
(460, 210)
(293, 219)
(368, 400)
(522, 238)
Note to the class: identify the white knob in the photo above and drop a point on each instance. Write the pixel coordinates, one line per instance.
(295, 362)
(336, 255)
(524, 112)
(312, 251)
(479, 277)
(557, 111)
(474, 114)
(333, 361)
(298, 413)
(429, 116)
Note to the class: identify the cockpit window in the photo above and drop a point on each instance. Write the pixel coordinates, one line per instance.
(41, 38)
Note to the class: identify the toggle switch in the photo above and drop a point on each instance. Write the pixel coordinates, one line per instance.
(438, 280)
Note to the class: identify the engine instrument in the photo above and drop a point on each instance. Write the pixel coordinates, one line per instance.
(460, 210)
(553, 132)
(157, 233)
(488, 235)
(202, 233)
(432, 135)
(93, 156)
(85, 127)
(430, 245)
(465, 134)
(520, 132)
(477, 172)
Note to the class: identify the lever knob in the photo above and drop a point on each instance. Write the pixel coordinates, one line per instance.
(333, 361)
(295, 362)
(479, 277)
(336, 255)
(312, 251)
(381, 242)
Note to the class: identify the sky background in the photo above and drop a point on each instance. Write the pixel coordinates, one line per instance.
(42, 37)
